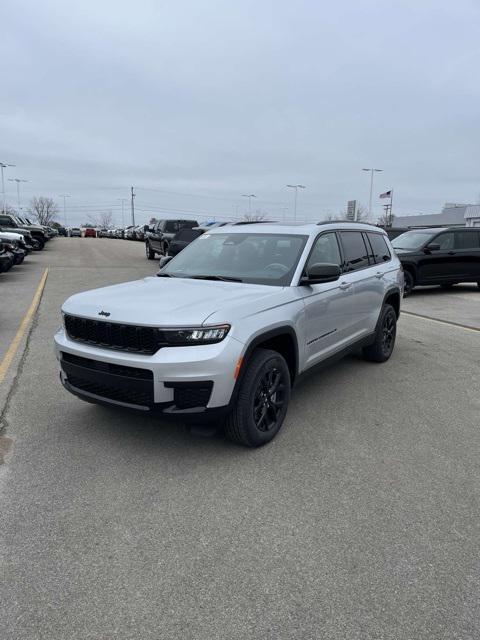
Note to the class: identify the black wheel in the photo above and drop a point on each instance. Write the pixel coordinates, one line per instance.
(164, 246)
(262, 400)
(449, 285)
(149, 252)
(409, 283)
(382, 347)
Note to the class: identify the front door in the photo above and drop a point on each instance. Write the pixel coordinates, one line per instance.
(439, 265)
(327, 305)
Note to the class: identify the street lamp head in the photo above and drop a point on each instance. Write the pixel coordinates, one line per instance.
(5, 164)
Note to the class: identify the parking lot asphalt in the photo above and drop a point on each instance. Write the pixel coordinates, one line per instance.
(359, 521)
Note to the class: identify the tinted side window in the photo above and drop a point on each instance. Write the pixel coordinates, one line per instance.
(381, 252)
(467, 240)
(171, 226)
(445, 240)
(354, 250)
(5, 221)
(187, 224)
(325, 249)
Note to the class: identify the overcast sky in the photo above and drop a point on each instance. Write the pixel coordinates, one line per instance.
(196, 102)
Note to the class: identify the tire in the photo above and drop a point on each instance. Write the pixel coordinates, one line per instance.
(164, 246)
(149, 251)
(257, 416)
(409, 284)
(382, 347)
(448, 285)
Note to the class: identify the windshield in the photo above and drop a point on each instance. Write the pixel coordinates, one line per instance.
(412, 239)
(257, 258)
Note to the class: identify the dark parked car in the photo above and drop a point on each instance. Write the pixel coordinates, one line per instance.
(36, 232)
(159, 236)
(62, 231)
(7, 259)
(439, 256)
(182, 239)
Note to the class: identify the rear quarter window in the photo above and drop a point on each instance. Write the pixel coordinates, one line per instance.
(380, 250)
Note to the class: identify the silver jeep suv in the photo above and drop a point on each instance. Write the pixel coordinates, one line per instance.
(230, 323)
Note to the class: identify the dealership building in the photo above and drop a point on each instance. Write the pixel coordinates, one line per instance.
(452, 215)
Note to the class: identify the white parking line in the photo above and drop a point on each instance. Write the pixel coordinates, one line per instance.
(457, 325)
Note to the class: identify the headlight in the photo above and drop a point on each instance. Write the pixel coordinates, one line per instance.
(194, 335)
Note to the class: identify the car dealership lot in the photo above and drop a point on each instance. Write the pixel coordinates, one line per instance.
(358, 521)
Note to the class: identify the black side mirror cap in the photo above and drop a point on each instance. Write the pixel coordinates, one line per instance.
(433, 246)
(321, 272)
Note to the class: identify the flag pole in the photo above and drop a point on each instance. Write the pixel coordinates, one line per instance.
(391, 208)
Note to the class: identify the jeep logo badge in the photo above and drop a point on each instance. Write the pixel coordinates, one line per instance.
(104, 313)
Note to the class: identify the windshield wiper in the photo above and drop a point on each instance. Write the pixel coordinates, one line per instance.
(221, 278)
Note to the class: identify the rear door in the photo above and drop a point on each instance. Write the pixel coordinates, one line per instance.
(467, 250)
(365, 280)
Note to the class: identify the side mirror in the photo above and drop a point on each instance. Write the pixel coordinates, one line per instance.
(164, 260)
(433, 246)
(321, 272)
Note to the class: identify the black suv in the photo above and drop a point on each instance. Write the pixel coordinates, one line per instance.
(439, 256)
(159, 236)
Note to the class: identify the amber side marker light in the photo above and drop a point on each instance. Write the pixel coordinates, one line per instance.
(238, 366)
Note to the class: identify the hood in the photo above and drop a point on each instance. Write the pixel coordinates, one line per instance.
(173, 301)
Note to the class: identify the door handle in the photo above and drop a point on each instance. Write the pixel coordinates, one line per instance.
(379, 274)
(345, 285)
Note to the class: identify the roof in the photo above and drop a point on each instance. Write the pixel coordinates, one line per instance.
(306, 229)
(450, 216)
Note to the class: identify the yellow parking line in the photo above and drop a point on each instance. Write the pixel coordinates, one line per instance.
(12, 349)
(457, 325)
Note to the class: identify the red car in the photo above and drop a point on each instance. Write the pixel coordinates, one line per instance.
(90, 233)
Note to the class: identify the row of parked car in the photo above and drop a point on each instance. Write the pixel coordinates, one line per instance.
(18, 237)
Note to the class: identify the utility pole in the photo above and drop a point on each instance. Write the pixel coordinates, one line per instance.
(123, 200)
(65, 196)
(296, 187)
(17, 180)
(371, 188)
(249, 196)
(4, 165)
(391, 207)
(133, 205)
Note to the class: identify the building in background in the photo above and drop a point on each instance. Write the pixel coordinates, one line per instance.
(452, 215)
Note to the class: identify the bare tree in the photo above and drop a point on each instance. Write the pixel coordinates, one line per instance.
(44, 209)
(103, 220)
(361, 213)
(9, 210)
(385, 220)
(256, 216)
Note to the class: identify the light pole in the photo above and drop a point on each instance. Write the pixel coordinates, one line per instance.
(65, 196)
(4, 165)
(372, 171)
(249, 196)
(123, 200)
(296, 187)
(17, 180)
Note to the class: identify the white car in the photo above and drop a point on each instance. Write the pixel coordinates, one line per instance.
(232, 321)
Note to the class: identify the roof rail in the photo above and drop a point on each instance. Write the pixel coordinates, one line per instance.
(255, 222)
(370, 224)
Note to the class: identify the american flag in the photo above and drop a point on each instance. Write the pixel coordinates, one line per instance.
(387, 194)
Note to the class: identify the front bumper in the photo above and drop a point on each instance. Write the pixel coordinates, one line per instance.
(193, 382)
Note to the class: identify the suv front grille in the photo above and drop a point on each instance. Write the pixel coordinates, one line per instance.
(125, 337)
